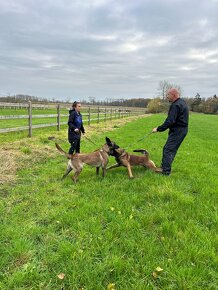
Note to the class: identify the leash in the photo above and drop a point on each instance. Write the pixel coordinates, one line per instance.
(139, 140)
(90, 140)
(54, 139)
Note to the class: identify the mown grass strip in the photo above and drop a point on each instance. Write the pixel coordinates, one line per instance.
(115, 230)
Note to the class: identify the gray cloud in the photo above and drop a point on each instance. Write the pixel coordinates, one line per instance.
(108, 48)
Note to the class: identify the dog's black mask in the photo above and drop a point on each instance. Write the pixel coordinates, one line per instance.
(112, 146)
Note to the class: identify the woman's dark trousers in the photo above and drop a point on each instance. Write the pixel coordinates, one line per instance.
(75, 146)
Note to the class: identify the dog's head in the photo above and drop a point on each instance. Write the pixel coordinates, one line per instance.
(112, 147)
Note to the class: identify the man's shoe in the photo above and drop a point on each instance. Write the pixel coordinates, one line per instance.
(160, 171)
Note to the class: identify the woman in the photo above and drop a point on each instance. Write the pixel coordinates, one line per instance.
(75, 125)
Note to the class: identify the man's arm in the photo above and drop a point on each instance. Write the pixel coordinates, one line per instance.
(170, 120)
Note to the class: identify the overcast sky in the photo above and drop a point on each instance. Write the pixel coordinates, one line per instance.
(108, 48)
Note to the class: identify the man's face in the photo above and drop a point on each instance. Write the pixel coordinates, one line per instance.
(170, 97)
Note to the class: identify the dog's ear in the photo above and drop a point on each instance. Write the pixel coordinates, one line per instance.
(108, 141)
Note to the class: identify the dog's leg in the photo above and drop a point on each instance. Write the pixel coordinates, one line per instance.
(76, 175)
(127, 164)
(77, 166)
(150, 164)
(69, 169)
(97, 170)
(129, 171)
(103, 171)
(114, 166)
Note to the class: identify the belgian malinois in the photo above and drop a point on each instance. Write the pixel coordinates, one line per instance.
(125, 159)
(98, 158)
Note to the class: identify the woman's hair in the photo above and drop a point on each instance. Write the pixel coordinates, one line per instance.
(75, 104)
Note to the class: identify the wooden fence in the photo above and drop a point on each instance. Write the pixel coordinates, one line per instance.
(90, 114)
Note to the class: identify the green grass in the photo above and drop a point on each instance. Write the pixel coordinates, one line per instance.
(115, 230)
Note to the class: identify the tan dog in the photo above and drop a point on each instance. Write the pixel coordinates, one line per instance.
(98, 158)
(125, 159)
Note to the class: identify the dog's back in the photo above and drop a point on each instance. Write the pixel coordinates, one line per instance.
(137, 160)
(96, 159)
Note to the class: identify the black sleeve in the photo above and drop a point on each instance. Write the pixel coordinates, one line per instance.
(82, 129)
(71, 121)
(170, 120)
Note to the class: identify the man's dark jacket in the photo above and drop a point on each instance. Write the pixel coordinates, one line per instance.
(177, 116)
(75, 122)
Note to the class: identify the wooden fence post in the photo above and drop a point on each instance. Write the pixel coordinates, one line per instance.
(98, 116)
(30, 118)
(105, 115)
(119, 113)
(58, 118)
(89, 116)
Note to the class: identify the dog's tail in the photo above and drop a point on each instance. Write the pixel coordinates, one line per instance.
(63, 152)
(143, 151)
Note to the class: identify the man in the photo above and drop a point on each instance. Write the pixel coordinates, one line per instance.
(177, 123)
(75, 127)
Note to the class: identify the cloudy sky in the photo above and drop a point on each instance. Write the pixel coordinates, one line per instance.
(108, 48)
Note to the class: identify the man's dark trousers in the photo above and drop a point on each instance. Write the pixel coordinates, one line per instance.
(175, 138)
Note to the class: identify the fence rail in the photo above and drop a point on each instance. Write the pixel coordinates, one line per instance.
(4, 105)
(92, 114)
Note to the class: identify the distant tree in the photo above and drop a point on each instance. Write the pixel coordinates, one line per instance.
(92, 100)
(155, 106)
(164, 86)
(211, 106)
(196, 101)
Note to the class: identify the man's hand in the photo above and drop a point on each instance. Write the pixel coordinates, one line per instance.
(154, 130)
(76, 130)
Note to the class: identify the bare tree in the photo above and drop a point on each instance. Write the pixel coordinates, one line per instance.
(164, 86)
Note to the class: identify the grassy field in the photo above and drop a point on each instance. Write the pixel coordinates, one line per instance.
(152, 232)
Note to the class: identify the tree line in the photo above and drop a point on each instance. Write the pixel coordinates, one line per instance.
(196, 104)
(160, 104)
(134, 102)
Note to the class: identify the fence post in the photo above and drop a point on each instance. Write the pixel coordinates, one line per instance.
(111, 114)
(89, 116)
(105, 115)
(58, 118)
(119, 113)
(30, 118)
(98, 116)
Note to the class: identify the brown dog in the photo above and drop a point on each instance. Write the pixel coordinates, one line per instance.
(123, 158)
(98, 158)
